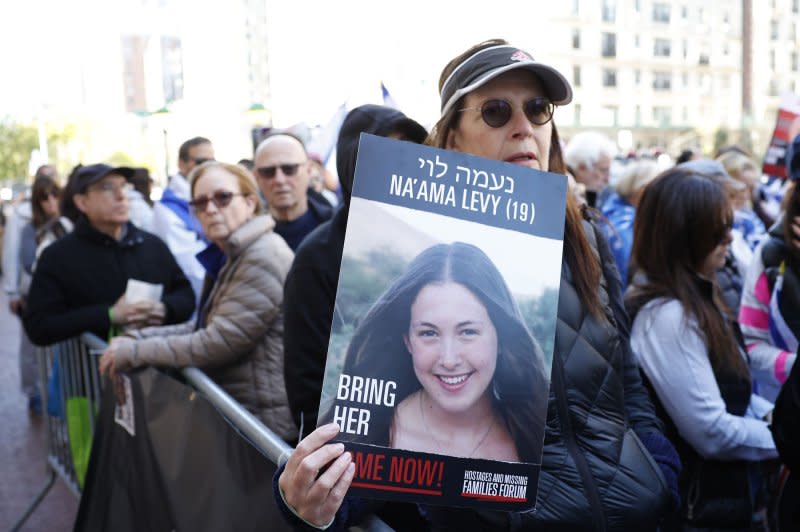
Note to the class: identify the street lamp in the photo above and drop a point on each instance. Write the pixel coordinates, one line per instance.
(163, 112)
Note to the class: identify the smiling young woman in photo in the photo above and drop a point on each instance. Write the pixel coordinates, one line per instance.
(470, 377)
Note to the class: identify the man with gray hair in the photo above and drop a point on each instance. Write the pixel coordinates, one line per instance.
(283, 172)
(588, 156)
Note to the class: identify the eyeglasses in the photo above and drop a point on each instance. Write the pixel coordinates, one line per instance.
(722, 234)
(200, 161)
(220, 198)
(109, 188)
(268, 172)
(496, 113)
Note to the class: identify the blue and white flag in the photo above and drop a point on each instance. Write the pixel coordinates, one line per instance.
(388, 100)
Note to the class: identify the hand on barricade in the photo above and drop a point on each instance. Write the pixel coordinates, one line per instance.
(108, 363)
(317, 476)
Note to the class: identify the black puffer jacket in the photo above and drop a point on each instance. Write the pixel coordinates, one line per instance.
(596, 473)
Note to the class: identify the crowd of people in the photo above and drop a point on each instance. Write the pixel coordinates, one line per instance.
(674, 397)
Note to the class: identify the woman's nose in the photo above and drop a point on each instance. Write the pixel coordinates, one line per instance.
(449, 356)
(521, 126)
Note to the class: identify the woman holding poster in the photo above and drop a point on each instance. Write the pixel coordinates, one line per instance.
(470, 378)
(606, 465)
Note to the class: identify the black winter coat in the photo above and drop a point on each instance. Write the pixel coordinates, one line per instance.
(596, 474)
(81, 275)
(786, 432)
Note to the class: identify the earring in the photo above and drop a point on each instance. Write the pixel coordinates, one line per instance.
(495, 391)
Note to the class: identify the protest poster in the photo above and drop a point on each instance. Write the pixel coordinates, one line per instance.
(440, 353)
(775, 158)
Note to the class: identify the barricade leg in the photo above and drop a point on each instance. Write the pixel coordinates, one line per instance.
(38, 499)
(66, 371)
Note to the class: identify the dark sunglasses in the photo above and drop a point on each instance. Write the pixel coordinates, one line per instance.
(721, 235)
(200, 161)
(497, 113)
(268, 172)
(220, 198)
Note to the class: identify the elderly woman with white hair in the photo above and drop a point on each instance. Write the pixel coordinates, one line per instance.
(588, 156)
(620, 210)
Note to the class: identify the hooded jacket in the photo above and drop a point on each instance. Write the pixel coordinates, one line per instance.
(310, 290)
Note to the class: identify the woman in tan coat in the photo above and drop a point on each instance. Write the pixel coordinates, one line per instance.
(237, 339)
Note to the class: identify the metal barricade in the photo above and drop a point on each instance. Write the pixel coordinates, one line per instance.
(71, 386)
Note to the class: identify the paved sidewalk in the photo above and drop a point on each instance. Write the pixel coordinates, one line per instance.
(22, 447)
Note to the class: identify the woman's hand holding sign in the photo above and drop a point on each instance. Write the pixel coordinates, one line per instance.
(315, 497)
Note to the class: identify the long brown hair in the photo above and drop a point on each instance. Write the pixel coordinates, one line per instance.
(582, 260)
(42, 188)
(681, 218)
(791, 208)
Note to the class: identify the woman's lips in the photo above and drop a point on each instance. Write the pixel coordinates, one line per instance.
(522, 158)
(453, 382)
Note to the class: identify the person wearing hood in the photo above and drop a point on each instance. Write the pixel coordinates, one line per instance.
(310, 289)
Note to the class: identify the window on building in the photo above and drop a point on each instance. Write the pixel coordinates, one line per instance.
(609, 44)
(773, 88)
(637, 76)
(701, 15)
(661, 12)
(610, 115)
(576, 76)
(662, 115)
(576, 7)
(172, 68)
(609, 77)
(662, 81)
(685, 115)
(684, 12)
(772, 59)
(726, 49)
(685, 79)
(637, 5)
(636, 41)
(576, 39)
(661, 47)
(577, 115)
(704, 58)
(795, 6)
(609, 10)
(774, 30)
(794, 61)
(685, 46)
(637, 115)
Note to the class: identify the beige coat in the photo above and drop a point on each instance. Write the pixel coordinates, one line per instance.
(240, 345)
